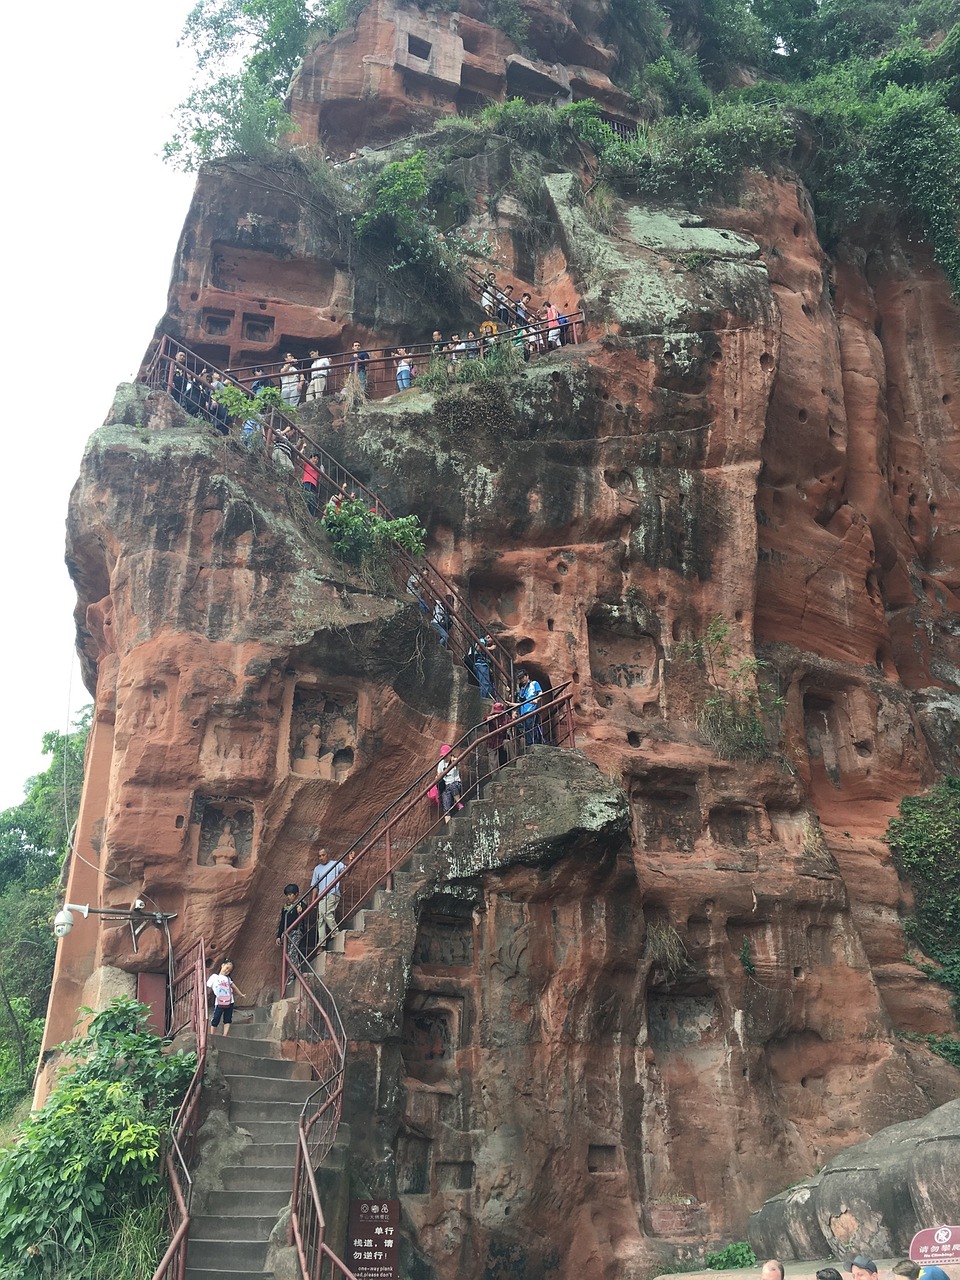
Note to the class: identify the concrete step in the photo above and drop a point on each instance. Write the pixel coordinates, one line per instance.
(261, 1176)
(250, 1111)
(210, 1273)
(258, 1203)
(270, 1155)
(213, 1227)
(245, 1256)
(250, 1046)
(238, 1063)
(268, 1132)
(247, 1087)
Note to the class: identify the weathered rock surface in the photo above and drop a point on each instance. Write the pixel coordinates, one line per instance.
(399, 68)
(652, 1029)
(871, 1198)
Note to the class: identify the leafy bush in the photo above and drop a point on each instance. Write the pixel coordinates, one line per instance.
(732, 1256)
(363, 538)
(925, 843)
(93, 1150)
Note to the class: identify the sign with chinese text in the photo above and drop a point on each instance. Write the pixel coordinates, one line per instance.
(373, 1239)
(936, 1245)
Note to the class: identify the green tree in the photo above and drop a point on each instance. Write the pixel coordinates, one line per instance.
(34, 836)
(94, 1147)
(246, 51)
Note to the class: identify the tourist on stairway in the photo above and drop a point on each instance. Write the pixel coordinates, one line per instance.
(224, 991)
(358, 364)
(449, 783)
(291, 909)
(325, 873)
(311, 482)
(319, 369)
(291, 381)
(529, 694)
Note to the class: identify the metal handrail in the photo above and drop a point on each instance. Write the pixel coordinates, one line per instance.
(320, 1040)
(374, 856)
(188, 997)
(334, 483)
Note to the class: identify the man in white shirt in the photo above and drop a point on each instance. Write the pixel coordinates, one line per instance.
(328, 894)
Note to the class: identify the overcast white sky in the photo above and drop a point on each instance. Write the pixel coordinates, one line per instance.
(92, 218)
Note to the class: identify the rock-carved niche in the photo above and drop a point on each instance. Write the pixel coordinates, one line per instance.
(228, 747)
(323, 735)
(226, 831)
(151, 704)
(445, 935)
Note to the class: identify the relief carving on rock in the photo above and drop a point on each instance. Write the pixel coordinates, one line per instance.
(323, 735)
(226, 831)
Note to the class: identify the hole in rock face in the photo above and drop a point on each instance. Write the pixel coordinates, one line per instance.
(803, 1082)
(797, 971)
(195, 723)
(557, 588)
(766, 360)
(797, 229)
(802, 415)
(601, 1159)
(179, 822)
(555, 377)
(946, 398)
(717, 357)
(738, 616)
(933, 508)
(864, 747)
(549, 624)
(661, 597)
(676, 630)
(562, 568)
(194, 297)
(633, 738)
(575, 677)
(606, 395)
(525, 646)
(807, 310)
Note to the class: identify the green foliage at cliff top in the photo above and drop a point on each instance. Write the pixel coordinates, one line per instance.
(861, 96)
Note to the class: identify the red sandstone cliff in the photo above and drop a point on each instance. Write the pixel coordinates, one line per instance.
(769, 436)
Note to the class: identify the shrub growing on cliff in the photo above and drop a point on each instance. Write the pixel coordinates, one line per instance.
(360, 537)
(93, 1151)
(925, 843)
(737, 715)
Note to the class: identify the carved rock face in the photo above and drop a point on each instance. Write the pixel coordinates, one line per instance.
(570, 1048)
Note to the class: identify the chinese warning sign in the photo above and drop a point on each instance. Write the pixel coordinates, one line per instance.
(936, 1245)
(372, 1243)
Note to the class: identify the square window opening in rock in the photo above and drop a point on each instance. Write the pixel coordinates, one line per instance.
(258, 329)
(602, 1159)
(418, 48)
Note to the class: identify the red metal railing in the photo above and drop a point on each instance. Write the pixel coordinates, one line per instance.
(281, 433)
(321, 1041)
(381, 369)
(391, 838)
(188, 1001)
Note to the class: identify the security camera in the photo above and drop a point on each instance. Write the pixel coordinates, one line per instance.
(62, 923)
(139, 905)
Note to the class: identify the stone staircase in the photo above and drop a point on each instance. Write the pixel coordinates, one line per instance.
(229, 1238)
(368, 931)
